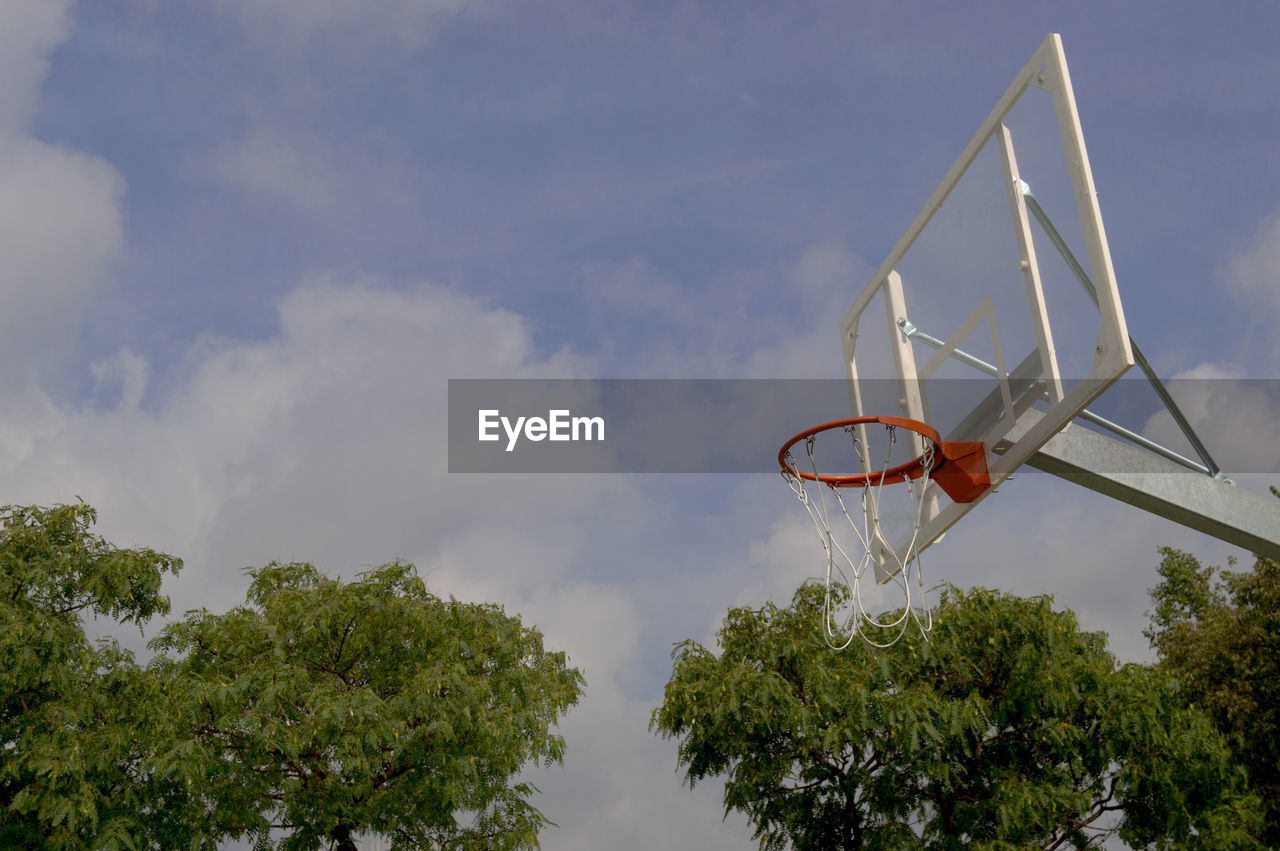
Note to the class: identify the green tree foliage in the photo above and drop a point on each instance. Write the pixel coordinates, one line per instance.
(74, 715)
(328, 710)
(1009, 728)
(1218, 631)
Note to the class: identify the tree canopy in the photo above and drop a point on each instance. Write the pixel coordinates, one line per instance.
(318, 711)
(74, 714)
(331, 709)
(1008, 728)
(1218, 631)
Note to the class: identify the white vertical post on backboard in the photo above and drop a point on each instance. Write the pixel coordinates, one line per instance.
(1030, 265)
(1114, 354)
(849, 339)
(910, 402)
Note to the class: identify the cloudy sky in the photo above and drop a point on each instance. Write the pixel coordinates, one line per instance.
(245, 244)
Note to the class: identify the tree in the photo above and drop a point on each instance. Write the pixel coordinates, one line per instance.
(74, 715)
(1218, 631)
(1008, 728)
(331, 709)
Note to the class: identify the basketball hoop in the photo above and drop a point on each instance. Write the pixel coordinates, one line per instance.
(959, 469)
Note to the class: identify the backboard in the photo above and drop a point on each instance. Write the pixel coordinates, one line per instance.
(991, 319)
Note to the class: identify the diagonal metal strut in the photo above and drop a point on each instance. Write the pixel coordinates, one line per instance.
(1139, 358)
(911, 331)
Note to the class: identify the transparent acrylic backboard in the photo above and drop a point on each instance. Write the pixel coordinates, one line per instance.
(996, 316)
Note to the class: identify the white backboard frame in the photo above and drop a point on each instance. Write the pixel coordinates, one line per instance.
(1007, 447)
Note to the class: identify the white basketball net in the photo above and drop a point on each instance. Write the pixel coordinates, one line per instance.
(849, 558)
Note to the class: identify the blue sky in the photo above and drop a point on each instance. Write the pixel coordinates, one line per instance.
(523, 155)
(247, 243)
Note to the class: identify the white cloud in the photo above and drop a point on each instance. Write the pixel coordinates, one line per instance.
(827, 273)
(1212, 370)
(635, 288)
(126, 369)
(60, 225)
(29, 30)
(340, 184)
(1237, 419)
(295, 23)
(1254, 277)
(1256, 273)
(341, 412)
(301, 173)
(60, 221)
(828, 278)
(668, 327)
